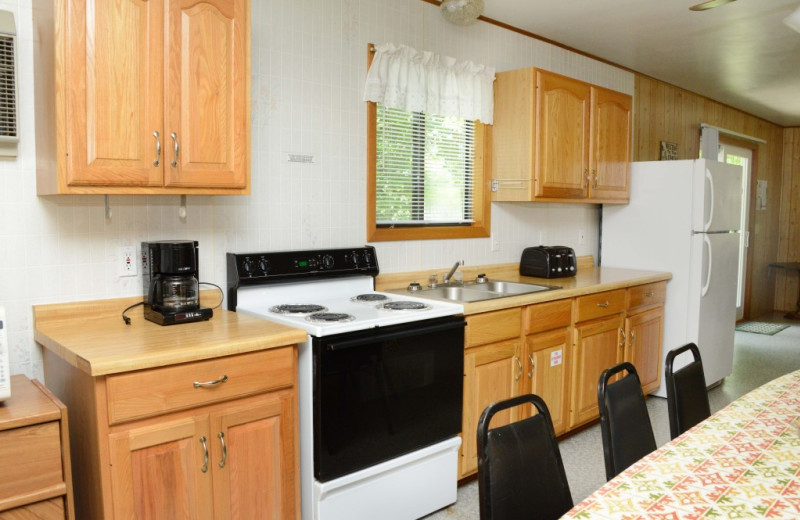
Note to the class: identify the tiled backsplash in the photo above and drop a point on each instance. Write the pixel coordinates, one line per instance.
(308, 67)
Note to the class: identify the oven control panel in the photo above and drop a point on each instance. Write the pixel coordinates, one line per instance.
(263, 268)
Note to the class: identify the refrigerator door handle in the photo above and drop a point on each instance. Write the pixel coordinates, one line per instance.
(706, 285)
(710, 180)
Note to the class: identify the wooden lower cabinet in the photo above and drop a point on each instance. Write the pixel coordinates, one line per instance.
(644, 332)
(546, 362)
(597, 347)
(226, 463)
(229, 452)
(491, 373)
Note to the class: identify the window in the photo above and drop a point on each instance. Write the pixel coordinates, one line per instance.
(425, 176)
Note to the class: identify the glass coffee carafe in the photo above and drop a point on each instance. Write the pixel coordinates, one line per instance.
(175, 293)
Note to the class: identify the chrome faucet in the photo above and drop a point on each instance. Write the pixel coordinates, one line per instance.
(449, 275)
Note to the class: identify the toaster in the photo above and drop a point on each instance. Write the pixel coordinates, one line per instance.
(548, 262)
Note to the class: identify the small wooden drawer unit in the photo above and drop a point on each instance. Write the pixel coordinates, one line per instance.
(647, 294)
(34, 454)
(146, 393)
(600, 304)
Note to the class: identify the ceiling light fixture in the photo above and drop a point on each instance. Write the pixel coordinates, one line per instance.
(793, 20)
(709, 4)
(462, 12)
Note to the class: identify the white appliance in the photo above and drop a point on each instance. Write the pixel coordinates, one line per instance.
(400, 466)
(5, 378)
(684, 217)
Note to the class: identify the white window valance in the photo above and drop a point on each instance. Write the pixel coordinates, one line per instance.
(420, 81)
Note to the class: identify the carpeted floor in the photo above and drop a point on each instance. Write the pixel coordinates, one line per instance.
(758, 358)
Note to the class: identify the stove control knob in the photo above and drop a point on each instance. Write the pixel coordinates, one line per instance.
(367, 258)
(327, 262)
(263, 265)
(247, 266)
(353, 259)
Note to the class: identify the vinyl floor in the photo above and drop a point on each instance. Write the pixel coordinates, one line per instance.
(758, 358)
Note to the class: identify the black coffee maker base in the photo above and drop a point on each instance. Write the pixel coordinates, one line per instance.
(199, 314)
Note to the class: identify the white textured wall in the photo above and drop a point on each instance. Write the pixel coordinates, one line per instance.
(308, 65)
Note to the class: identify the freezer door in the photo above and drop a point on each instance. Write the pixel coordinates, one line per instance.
(712, 301)
(717, 196)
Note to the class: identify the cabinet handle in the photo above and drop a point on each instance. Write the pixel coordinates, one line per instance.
(594, 179)
(198, 384)
(586, 178)
(603, 304)
(158, 149)
(519, 368)
(175, 148)
(204, 468)
(622, 343)
(633, 337)
(649, 294)
(224, 449)
(533, 366)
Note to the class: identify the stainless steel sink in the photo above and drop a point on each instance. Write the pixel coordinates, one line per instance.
(475, 292)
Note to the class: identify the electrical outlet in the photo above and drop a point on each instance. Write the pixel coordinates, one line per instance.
(581, 237)
(127, 261)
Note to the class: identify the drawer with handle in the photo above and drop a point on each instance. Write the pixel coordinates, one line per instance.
(146, 393)
(647, 294)
(600, 304)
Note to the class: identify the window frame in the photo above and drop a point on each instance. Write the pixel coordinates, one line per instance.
(481, 195)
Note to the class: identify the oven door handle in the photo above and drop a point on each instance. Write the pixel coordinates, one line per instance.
(379, 337)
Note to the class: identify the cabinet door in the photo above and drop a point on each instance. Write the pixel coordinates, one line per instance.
(207, 132)
(253, 459)
(610, 145)
(597, 347)
(644, 332)
(114, 92)
(562, 137)
(491, 373)
(546, 372)
(157, 470)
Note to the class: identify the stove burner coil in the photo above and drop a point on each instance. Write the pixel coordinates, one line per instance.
(370, 298)
(329, 317)
(297, 308)
(404, 305)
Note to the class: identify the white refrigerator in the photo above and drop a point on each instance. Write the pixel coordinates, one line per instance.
(684, 217)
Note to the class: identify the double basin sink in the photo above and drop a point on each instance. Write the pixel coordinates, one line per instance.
(480, 291)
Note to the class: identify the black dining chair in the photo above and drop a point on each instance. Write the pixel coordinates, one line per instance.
(687, 396)
(624, 423)
(520, 471)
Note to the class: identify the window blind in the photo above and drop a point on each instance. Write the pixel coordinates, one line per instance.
(424, 169)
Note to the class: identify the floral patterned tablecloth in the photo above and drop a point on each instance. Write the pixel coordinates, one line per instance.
(742, 462)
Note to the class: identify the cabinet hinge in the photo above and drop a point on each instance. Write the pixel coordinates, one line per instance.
(494, 184)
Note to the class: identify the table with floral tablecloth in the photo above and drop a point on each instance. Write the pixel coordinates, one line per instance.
(742, 462)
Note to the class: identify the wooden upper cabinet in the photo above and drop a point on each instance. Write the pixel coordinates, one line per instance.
(208, 74)
(610, 156)
(559, 139)
(562, 137)
(143, 97)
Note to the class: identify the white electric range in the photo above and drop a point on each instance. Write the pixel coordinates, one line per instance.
(380, 382)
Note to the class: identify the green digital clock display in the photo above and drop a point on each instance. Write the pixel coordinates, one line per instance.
(302, 263)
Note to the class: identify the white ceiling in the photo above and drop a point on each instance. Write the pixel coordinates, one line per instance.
(741, 54)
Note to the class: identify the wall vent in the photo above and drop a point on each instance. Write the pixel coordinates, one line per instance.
(9, 122)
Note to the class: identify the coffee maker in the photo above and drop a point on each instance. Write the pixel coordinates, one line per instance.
(171, 289)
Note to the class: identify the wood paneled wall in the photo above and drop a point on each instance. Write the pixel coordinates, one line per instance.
(663, 112)
(789, 247)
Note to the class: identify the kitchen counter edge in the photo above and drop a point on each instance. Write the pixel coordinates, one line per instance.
(92, 336)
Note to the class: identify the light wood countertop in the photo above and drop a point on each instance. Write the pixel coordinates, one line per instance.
(588, 280)
(92, 336)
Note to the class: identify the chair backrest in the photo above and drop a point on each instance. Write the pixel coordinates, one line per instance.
(624, 421)
(687, 396)
(520, 471)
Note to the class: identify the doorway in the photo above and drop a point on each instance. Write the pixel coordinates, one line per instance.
(735, 154)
